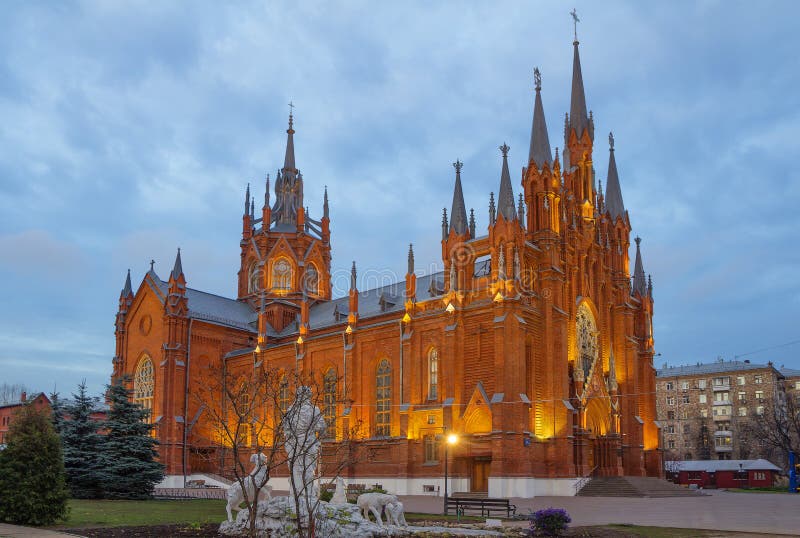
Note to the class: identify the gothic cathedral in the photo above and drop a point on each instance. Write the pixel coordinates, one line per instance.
(534, 344)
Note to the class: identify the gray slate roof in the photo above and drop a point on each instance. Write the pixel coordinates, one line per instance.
(713, 466)
(790, 372)
(217, 309)
(710, 368)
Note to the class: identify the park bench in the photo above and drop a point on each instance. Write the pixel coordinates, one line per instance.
(483, 505)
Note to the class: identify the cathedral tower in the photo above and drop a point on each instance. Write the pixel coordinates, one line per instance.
(285, 254)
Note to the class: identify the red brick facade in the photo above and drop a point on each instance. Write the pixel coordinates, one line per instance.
(533, 344)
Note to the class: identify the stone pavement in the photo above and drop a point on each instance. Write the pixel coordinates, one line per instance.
(765, 513)
(15, 531)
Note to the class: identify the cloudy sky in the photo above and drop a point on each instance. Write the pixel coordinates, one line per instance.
(128, 129)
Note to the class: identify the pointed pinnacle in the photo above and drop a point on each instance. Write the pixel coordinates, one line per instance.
(410, 258)
(177, 270)
(353, 276)
(126, 290)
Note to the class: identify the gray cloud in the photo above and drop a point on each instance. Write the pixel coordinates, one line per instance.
(132, 128)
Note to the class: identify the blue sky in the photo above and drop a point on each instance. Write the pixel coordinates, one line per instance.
(131, 128)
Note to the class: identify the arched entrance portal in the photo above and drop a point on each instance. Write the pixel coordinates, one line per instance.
(599, 443)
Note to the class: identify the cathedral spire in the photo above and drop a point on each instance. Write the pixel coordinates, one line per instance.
(325, 211)
(247, 200)
(613, 199)
(266, 198)
(127, 290)
(639, 279)
(578, 118)
(458, 213)
(540, 143)
(505, 200)
(353, 276)
(177, 270)
(288, 162)
(444, 223)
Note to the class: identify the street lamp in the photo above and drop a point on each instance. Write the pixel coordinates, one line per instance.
(450, 439)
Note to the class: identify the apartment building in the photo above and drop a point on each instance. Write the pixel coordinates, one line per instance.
(704, 409)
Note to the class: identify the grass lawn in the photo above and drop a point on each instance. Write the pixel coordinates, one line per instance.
(91, 513)
(759, 490)
(666, 532)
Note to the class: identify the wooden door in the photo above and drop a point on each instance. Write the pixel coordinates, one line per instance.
(480, 476)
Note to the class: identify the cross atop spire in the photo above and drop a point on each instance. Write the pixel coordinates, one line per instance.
(575, 21)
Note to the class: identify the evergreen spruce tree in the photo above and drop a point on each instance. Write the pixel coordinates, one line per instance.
(57, 412)
(32, 480)
(82, 444)
(130, 469)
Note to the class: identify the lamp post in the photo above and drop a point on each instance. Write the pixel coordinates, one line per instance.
(450, 439)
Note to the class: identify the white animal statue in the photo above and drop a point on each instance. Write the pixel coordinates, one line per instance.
(374, 502)
(395, 514)
(340, 493)
(257, 478)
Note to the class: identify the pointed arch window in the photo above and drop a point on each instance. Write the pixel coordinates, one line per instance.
(329, 400)
(254, 278)
(144, 385)
(282, 275)
(311, 280)
(383, 399)
(283, 395)
(587, 339)
(433, 374)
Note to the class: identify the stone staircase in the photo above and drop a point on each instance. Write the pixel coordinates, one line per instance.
(633, 486)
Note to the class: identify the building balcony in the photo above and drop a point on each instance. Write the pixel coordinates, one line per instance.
(722, 402)
(722, 417)
(723, 433)
(723, 448)
(724, 386)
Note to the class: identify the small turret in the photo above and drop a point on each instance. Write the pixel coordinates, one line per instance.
(353, 304)
(472, 223)
(444, 224)
(492, 215)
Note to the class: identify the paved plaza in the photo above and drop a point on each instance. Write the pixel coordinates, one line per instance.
(767, 513)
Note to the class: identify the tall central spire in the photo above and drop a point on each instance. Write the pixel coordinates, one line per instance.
(540, 142)
(458, 212)
(289, 183)
(578, 118)
(288, 162)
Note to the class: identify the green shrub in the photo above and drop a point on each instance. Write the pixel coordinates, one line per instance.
(33, 488)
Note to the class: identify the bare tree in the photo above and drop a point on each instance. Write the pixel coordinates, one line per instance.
(247, 412)
(11, 392)
(777, 429)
